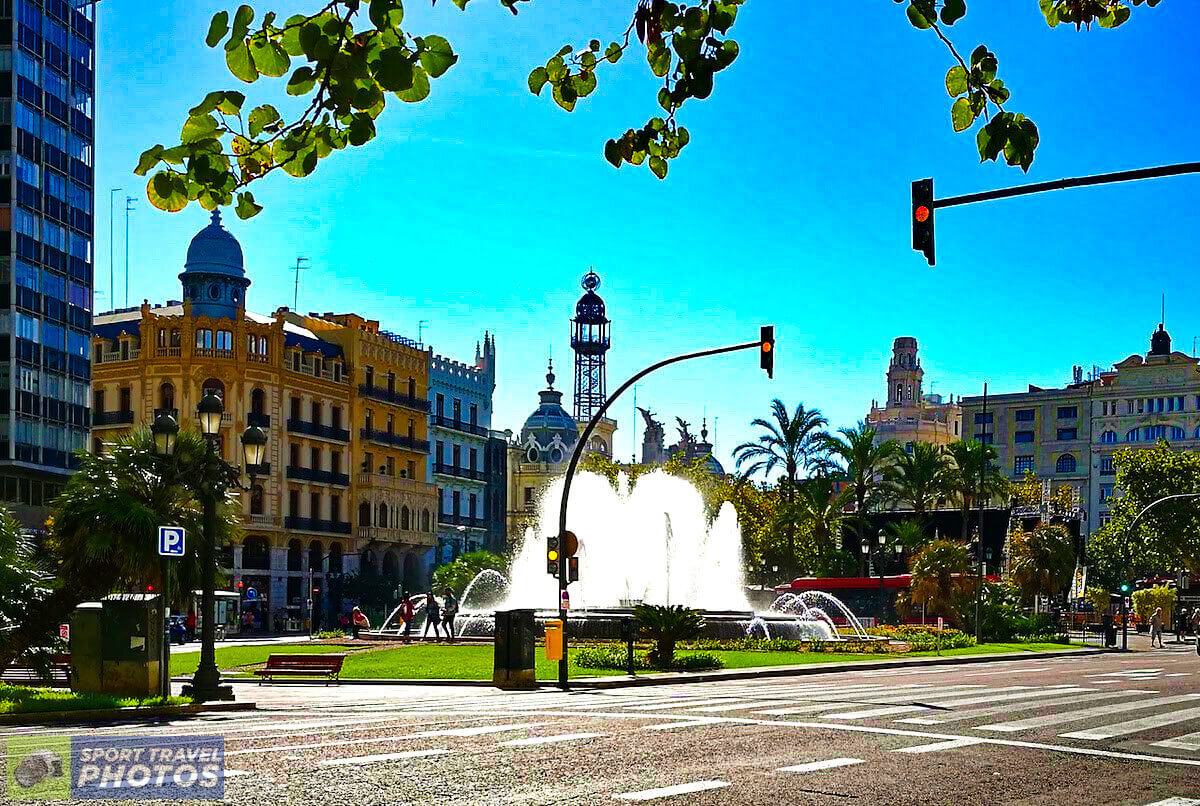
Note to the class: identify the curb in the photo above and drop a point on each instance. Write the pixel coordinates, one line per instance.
(117, 714)
(705, 677)
(817, 668)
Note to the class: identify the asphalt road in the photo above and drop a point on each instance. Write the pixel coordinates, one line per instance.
(1088, 730)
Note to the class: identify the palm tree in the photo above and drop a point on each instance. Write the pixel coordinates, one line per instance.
(23, 584)
(792, 442)
(863, 459)
(104, 528)
(665, 625)
(921, 478)
(974, 471)
(1043, 561)
(819, 502)
(939, 577)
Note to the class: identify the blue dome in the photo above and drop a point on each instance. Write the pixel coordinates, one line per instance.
(214, 250)
(548, 421)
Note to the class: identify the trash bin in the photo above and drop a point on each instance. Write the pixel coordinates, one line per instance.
(86, 655)
(1110, 630)
(513, 667)
(554, 639)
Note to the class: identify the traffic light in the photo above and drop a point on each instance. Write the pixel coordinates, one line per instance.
(766, 349)
(1124, 587)
(922, 217)
(552, 555)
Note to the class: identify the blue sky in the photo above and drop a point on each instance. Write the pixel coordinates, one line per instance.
(483, 206)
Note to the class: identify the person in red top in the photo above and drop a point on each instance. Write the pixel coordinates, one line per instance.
(190, 624)
(360, 621)
(406, 613)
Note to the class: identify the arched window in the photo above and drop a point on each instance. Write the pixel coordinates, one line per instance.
(335, 557)
(256, 500)
(404, 517)
(424, 520)
(364, 514)
(204, 339)
(162, 337)
(215, 385)
(258, 401)
(1065, 464)
(1178, 433)
(1198, 432)
(1131, 435)
(293, 555)
(166, 396)
(1108, 436)
(383, 516)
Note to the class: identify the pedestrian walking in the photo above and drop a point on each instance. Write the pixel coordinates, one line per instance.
(190, 624)
(360, 621)
(433, 616)
(406, 613)
(449, 611)
(1181, 623)
(1156, 626)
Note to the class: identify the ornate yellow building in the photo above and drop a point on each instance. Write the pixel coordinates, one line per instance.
(345, 406)
(911, 416)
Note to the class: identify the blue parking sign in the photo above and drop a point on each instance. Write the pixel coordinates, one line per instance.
(170, 541)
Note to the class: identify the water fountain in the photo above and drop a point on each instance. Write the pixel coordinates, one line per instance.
(649, 543)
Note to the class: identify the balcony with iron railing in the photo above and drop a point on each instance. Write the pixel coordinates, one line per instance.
(384, 534)
(298, 426)
(398, 398)
(113, 356)
(442, 421)
(318, 476)
(396, 440)
(382, 481)
(316, 525)
(461, 520)
(212, 352)
(459, 472)
(168, 352)
(103, 418)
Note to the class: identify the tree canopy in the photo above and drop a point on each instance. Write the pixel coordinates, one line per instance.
(346, 58)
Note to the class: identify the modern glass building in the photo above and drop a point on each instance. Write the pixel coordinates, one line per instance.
(47, 109)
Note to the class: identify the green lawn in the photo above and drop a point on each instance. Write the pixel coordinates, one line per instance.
(184, 663)
(24, 700)
(474, 661)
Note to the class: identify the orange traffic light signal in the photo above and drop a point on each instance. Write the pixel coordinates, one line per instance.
(766, 349)
(922, 232)
(552, 555)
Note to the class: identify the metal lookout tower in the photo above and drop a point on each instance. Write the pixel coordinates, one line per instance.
(590, 341)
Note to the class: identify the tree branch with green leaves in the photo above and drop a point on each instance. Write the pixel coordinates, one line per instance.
(347, 68)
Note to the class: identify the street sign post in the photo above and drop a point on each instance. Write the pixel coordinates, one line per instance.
(171, 541)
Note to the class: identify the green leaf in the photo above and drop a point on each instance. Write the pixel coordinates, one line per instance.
(231, 102)
(659, 58)
(167, 191)
(664, 99)
(241, 64)
(612, 153)
(961, 115)
(658, 166)
(269, 58)
(537, 80)
(150, 157)
(1050, 12)
(613, 52)
(564, 50)
(197, 127)
(918, 16)
(419, 90)
(241, 26)
(261, 117)
(956, 81)
(584, 83)
(953, 11)
(210, 102)
(437, 57)
(362, 130)
(462, 4)
(395, 70)
(217, 29)
(564, 95)
(301, 82)
(386, 14)
(1118, 15)
(978, 54)
(594, 45)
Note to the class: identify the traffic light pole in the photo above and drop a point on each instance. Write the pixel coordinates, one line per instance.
(1128, 560)
(577, 453)
(924, 204)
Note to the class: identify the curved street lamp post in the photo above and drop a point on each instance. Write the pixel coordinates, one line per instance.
(211, 479)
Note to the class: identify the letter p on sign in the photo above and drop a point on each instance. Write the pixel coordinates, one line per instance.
(170, 541)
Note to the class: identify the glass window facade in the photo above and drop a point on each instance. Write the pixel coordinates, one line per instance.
(46, 176)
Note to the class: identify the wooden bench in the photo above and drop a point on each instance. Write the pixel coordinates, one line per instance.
(59, 668)
(327, 666)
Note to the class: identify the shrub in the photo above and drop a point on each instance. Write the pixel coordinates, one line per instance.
(666, 625)
(1147, 599)
(331, 634)
(698, 661)
(609, 657)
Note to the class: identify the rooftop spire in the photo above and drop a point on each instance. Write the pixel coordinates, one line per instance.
(550, 374)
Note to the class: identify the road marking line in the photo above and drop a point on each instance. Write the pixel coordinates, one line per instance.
(425, 734)
(740, 705)
(1189, 741)
(690, 723)
(942, 702)
(937, 746)
(1086, 713)
(1175, 802)
(807, 709)
(383, 757)
(563, 737)
(827, 764)
(669, 791)
(1135, 725)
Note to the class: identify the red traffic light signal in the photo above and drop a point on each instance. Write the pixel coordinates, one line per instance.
(766, 349)
(922, 218)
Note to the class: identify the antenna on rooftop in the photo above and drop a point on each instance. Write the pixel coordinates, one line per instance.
(421, 330)
(296, 293)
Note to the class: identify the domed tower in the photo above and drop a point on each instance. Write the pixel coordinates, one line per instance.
(904, 374)
(589, 340)
(214, 280)
(549, 433)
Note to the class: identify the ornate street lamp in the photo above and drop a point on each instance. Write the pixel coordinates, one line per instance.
(209, 413)
(165, 429)
(254, 445)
